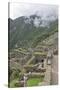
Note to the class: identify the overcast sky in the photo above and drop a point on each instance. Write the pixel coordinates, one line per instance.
(26, 9)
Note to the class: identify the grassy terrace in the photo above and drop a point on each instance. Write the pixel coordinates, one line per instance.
(34, 81)
(21, 51)
(31, 65)
(32, 58)
(40, 53)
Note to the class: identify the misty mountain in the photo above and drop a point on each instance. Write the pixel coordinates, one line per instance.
(29, 31)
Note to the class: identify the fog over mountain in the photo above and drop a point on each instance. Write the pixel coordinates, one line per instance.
(27, 9)
(43, 14)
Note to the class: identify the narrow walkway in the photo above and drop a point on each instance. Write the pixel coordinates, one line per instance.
(54, 74)
(47, 78)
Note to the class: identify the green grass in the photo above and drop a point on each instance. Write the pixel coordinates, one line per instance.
(30, 82)
(34, 81)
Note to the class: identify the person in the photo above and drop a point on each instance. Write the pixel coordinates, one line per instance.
(25, 79)
(42, 62)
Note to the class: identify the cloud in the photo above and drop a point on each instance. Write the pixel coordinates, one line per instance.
(26, 9)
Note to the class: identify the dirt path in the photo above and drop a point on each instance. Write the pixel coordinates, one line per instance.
(54, 74)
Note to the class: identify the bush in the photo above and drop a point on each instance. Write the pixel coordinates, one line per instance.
(17, 84)
(14, 74)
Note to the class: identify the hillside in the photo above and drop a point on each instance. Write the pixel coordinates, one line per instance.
(27, 32)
